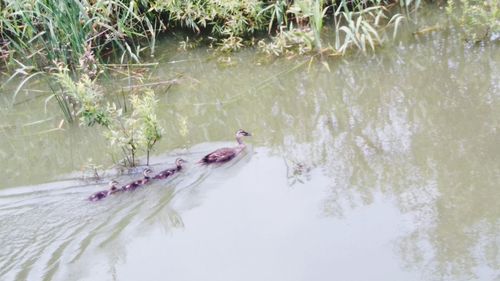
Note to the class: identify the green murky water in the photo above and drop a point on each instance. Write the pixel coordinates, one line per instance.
(385, 168)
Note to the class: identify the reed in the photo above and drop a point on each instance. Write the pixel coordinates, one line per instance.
(45, 32)
(278, 14)
(356, 24)
(310, 14)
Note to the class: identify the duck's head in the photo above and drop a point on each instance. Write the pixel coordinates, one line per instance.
(179, 162)
(147, 172)
(113, 186)
(240, 133)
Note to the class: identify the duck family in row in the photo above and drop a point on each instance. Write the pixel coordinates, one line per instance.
(220, 155)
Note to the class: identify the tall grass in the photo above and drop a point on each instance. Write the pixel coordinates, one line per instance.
(50, 32)
(356, 24)
(312, 13)
(45, 32)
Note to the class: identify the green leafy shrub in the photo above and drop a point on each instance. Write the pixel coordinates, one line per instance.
(136, 129)
(81, 99)
(223, 18)
(123, 133)
(149, 131)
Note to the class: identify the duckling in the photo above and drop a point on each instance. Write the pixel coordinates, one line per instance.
(225, 154)
(135, 184)
(114, 188)
(168, 172)
(105, 193)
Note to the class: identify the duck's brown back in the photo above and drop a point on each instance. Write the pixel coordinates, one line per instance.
(220, 155)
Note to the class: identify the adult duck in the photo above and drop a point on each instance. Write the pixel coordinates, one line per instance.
(168, 172)
(225, 154)
(135, 184)
(113, 188)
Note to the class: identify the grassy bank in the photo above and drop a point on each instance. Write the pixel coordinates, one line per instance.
(44, 33)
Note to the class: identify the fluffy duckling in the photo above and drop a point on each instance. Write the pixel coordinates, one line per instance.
(135, 184)
(225, 154)
(168, 172)
(113, 188)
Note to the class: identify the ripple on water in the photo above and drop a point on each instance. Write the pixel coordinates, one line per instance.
(53, 224)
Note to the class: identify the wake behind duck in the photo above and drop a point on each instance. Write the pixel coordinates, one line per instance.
(220, 155)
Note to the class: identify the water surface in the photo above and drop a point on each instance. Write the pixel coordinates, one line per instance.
(385, 168)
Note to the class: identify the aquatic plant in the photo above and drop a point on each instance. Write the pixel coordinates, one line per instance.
(149, 131)
(356, 24)
(131, 130)
(478, 19)
(311, 13)
(290, 41)
(359, 30)
(136, 129)
(303, 31)
(91, 170)
(223, 18)
(79, 99)
(278, 14)
(123, 132)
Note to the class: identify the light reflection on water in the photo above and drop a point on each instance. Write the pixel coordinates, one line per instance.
(261, 229)
(385, 168)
